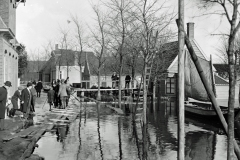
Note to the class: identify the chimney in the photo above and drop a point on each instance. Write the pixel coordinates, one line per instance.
(190, 30)
(56, 46)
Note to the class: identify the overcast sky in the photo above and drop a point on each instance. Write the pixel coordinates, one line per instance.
(39, 21)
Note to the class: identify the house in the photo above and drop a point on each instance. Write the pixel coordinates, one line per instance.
(167, 80)
(64, 63)
(32, 71)
(222, 70)
(9, 46)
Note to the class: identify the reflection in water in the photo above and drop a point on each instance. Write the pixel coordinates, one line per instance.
(106, 135)
(79, 131)
(194, 143)
(119, 138)
(98, 130)
(62, 132)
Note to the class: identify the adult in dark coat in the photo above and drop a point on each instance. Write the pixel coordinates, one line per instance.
(3, 101)
(57, 99)
(114, 79)
(38, 88)
(14, 100)
(50, 95)
(34, 96)
(26, 98)
(127, 81)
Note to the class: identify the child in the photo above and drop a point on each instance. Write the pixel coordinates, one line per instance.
(8, 107)
(51, 97)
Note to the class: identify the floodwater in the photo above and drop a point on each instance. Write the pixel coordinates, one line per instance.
(100, 134)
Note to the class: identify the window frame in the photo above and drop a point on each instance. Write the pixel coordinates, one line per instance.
(171, 90)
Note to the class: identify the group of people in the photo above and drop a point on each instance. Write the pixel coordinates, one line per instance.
(27, 97)
(59, 94)
(115, 80)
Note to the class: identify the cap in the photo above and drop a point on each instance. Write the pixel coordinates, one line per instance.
(8, 83)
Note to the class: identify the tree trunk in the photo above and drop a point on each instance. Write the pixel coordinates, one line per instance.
(99, 81)
(144, 113)
(154, 88)
(120, 84)
(231, 100)
(144, 95)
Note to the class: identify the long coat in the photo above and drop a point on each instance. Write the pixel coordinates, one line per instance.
(3, 100)
(39, 87)
(26, 98)
(34, 96)
(15, 98)
(50, 95)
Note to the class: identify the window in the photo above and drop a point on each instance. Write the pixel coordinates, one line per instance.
(170, 85)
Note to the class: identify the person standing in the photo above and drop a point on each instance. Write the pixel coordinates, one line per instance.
(3, 101)
(56, 97)
(34, 97)
(63, 93)
(114, 79)
(50, 95)
(26, 97)
(14, 100)
(68, 90)
(38, 88)
(127, 81)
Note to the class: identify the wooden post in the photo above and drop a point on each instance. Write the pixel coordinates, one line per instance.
(181, 116)
(209, 90)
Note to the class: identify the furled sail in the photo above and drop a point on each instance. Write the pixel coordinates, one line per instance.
(193, 85)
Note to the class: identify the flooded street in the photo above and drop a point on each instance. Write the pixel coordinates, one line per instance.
(99, 133)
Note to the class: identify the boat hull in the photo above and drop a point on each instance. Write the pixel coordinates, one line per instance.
(195, 109)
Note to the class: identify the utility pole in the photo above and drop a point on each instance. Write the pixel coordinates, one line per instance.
(181, 116)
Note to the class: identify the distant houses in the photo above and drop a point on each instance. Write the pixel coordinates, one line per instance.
(32, 71)
(65, 63)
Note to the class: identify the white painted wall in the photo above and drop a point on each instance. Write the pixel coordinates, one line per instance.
(222, 91)
(74, 74)
(222, 95)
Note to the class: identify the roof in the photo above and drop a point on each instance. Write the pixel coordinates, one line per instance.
(221, 67)
(219, 80)
(70, 58)
(167, 54)
(35, 66)
(111, 64)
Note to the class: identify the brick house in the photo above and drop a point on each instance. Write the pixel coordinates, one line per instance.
(9, 47)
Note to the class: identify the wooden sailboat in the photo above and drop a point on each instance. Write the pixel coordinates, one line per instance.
(194, 88)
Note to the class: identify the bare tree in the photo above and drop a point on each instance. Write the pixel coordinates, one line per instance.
(81, 39)
(119, 21)
(66, 48)
(230, 10)
(98, 42)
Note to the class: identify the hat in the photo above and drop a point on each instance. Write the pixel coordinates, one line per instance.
(29, 84)
(8, 83)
